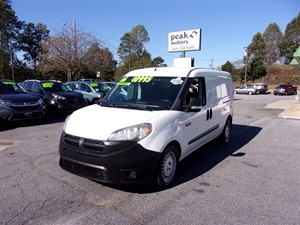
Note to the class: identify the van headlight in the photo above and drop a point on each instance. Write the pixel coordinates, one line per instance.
(132, 133)
(65, 123)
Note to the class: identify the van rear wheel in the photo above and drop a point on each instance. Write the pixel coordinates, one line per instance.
(167, 166)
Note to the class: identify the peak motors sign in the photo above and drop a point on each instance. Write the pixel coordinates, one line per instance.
(187, 40)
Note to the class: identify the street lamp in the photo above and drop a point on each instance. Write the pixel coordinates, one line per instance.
(246, 55)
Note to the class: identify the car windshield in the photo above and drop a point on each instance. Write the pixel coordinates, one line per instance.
(56, 87)
(10, 87)
(100, 87)
(145, 93)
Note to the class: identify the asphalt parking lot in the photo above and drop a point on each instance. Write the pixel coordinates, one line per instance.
(252, 180)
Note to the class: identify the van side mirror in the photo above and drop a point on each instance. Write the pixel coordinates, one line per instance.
(194, 105)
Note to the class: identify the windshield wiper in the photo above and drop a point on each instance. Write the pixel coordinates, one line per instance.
(126, 106)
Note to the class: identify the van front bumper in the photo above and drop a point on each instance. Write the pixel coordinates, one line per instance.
(117, 162)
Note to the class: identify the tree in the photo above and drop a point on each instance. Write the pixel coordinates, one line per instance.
(257, 48)
(9, 29)
(228, 67)
(257, 69)
(272, 36)
(99, 60)
(158, 61)
(131, 47)
(65, 52)
(32, 39)
(290, 40)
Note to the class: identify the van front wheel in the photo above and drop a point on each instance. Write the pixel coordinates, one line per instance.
(167, 166)
(225, 135)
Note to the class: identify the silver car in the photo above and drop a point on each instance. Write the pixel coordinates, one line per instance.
(262, 88)
(246, 89)
(91, 91)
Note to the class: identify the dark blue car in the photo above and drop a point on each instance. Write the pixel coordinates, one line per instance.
(57, 96)
(17, 104)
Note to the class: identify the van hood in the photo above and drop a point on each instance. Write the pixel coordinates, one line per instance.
(98, 122)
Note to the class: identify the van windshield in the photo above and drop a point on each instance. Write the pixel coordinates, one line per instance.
(145, 93)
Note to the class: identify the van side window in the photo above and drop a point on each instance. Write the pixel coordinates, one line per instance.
(196, 89)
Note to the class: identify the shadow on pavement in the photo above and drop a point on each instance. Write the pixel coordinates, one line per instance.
(9, 125)
(204, 159)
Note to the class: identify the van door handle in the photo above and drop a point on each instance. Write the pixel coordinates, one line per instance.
(208, 114)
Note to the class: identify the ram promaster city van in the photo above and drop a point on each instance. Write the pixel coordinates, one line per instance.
(151, 120)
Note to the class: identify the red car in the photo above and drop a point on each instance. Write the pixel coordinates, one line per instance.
(285, 89)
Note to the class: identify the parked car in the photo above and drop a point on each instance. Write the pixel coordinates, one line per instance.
(17, 104)
(91, 91)
(110, 83)
(285, 89)
(246, 89)
(57, 96)
(262, 88)
(86, 79)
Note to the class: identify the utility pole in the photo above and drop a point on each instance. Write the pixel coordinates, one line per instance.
(75, 41)
(12, 62)
(246, 65)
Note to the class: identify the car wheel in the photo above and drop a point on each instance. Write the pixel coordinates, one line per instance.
(225, 135)
(235, 92)
(167, 166)
(250, 93)
(95, 101)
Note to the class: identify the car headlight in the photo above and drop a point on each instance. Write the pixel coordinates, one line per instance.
(5, 103)
(132, 133)
(58, 97)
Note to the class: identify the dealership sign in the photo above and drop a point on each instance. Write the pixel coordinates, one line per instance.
(187, 40)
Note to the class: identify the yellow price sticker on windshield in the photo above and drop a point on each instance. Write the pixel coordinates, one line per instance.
(94, 84)
(47, 85)
(123, 79)
(9, 82)
(141, 79)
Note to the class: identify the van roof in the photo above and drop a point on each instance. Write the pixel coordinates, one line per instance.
(176, 72)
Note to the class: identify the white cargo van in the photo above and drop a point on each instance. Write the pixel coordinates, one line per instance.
(151, 120)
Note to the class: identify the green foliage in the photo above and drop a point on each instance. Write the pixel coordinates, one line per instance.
(228, 67)
(31, 40)
(257, 48)
(291, 40)
(98, 60)
(158, 61)
(9, 28)
(256, 69)
(131, 48)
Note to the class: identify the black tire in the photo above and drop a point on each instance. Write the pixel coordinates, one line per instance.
(225, 135)
(167, 166)
(250, 93)
(95, 101)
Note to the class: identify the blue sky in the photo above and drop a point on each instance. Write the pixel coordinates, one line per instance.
(227, 25)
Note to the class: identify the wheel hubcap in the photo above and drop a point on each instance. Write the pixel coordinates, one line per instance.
(168, 167)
